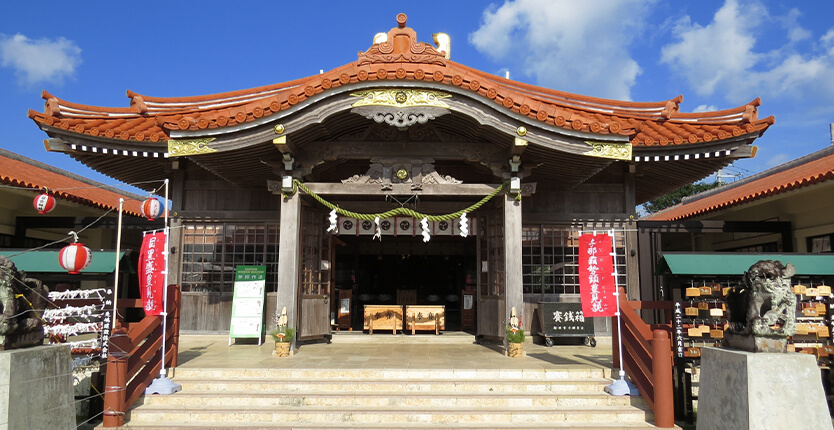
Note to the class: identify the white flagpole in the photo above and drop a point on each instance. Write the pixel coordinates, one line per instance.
(116, 275)
(617, 295)
(162, 372)
(619, 387)
(163, 385)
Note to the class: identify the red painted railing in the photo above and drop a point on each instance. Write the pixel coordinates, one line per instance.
(647, 356)
(134, 359)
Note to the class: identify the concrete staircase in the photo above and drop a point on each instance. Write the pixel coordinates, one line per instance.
(391, 398)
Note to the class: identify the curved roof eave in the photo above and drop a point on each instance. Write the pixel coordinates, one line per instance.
(154, 120)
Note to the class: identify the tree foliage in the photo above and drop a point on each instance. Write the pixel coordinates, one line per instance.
(675, 197)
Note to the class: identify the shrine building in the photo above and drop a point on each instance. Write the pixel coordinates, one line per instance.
(452, 187)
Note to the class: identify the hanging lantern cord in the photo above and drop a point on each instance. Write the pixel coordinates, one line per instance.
(74, 236)
(400, 210)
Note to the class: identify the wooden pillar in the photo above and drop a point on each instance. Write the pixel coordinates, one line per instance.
(513, 288)
(288, 260)
(664, 398)
(632, 261)
(175, 235)
(116, 377)
(174, 312)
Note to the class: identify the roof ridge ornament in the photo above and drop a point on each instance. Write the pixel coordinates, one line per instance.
(399, 46)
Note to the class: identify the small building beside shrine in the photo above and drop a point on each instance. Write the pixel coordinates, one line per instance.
(431, 147)
(32, 239)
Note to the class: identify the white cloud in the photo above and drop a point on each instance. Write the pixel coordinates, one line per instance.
(721, 57)
(567, 45)
(779, 159)
(795, 31)
(705, 108)
(711, 55)
(39, 60)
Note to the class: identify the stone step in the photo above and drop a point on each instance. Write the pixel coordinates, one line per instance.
(588, 385)
(218, 414)
(501, 400)
(295, 425)
(394, 374)
(385, 337)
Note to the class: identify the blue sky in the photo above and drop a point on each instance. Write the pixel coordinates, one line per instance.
(717, 54)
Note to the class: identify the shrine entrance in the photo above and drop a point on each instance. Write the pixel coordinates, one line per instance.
(405, 271)
(406, 274)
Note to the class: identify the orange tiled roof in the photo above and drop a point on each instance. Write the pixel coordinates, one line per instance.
(802, 172)
(22, 172)
(647, 124)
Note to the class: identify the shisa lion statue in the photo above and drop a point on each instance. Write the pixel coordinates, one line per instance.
(762, 312)
(22, 301)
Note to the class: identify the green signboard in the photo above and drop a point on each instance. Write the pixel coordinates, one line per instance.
(248, 303)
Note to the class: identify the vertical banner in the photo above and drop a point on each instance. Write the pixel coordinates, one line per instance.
(152, 273)
(596, 281)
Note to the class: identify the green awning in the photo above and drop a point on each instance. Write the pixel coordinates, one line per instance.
(685, 263)
(46, 261)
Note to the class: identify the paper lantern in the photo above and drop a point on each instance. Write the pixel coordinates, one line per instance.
(75, 257)
(151, 209)
(44, 203)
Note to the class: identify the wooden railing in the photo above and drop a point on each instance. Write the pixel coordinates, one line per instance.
(134, 357)
(647, 356)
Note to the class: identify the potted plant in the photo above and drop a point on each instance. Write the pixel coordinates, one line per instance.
(283, 337)
(515, 336)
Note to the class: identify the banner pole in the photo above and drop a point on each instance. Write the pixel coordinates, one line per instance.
(617, 294)
(163, 385)
(116, 273)
(619, 387)
(162, 372)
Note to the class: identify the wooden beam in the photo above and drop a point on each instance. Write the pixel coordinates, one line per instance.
(323, 188)
(715, 226)
(519, 145)
(284, 145)
(545, 218)
(457, 150)
(225, 215)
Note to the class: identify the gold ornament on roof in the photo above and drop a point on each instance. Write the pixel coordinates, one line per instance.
(443, 43)
(181, 148)
(401, 98)
(616, 151)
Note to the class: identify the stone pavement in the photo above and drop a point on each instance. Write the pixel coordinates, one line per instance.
(354, 350)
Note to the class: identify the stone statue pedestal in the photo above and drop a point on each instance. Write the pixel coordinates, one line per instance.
(751, 343)
(745, 390)
(36, 389)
